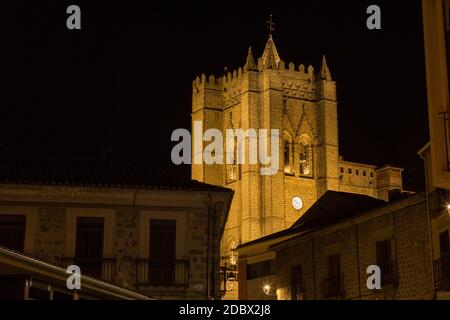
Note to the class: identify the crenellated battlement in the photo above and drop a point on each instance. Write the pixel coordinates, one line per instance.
(229, 80)
(235, 77)
(297, 81)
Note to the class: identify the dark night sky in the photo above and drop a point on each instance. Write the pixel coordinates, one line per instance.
(120, 86)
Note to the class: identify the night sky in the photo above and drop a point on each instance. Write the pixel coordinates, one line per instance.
(117, 88)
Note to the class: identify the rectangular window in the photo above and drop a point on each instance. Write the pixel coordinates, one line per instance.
(12, 232)
(444, 243)
(342, 170)
(333, 285)
(371, 174)
(349, 170)
(89, 245)
(334, 266)
(383, 253)
(357, 172)
(297, 289)
(162, 253)
(384, 261)
(260, 269)
(364, 173)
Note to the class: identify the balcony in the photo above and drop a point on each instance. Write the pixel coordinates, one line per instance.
(442, 273)
(298, 292)
(333, 287)
(101, 268)
(167, 273)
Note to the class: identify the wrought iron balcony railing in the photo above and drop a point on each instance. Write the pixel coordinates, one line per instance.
(333, 287)
(151, 272)
(298, 292)
(101, 268)
(442, 273)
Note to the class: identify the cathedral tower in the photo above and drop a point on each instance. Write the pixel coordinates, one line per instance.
(266, 94)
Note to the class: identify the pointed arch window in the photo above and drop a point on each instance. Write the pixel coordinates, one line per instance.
(234, 168)
(233, 255)
(306, 159)
(287, 157)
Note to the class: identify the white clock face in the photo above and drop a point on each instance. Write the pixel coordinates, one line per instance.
(297, 203)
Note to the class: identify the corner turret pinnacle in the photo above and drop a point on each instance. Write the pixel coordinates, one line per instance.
(324, 71)
(250, 62)
(270, 57)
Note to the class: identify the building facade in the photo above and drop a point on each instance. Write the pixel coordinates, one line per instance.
(160, 239)
(332, 263)
(329, 252)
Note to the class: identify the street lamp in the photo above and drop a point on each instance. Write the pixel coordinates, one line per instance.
(267, 288)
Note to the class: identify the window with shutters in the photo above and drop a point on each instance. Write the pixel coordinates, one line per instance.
(333, 285)
(162, 253)
(89, 245)
(384, 252)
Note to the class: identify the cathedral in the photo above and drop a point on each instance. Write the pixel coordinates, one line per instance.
(300, 101)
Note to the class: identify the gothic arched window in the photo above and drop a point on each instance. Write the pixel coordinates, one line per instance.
(305, 160)
(233, 168)
(306, 157)
(287, 157)
(233, 254)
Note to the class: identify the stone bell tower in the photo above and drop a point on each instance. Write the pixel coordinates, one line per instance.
(267, 94)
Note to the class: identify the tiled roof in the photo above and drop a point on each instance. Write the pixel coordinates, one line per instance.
(332, 207)
(116, 174)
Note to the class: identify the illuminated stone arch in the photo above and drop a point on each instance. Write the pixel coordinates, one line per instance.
(233, 254)
(233, 169)
(305, 155)
(228, 255)
(288, 153)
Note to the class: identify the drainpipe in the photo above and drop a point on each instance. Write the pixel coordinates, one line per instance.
(314, 269)
(430, 228)
(213, 249)
(358, 259)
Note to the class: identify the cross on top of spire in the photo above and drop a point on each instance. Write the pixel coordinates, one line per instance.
(270, 25)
